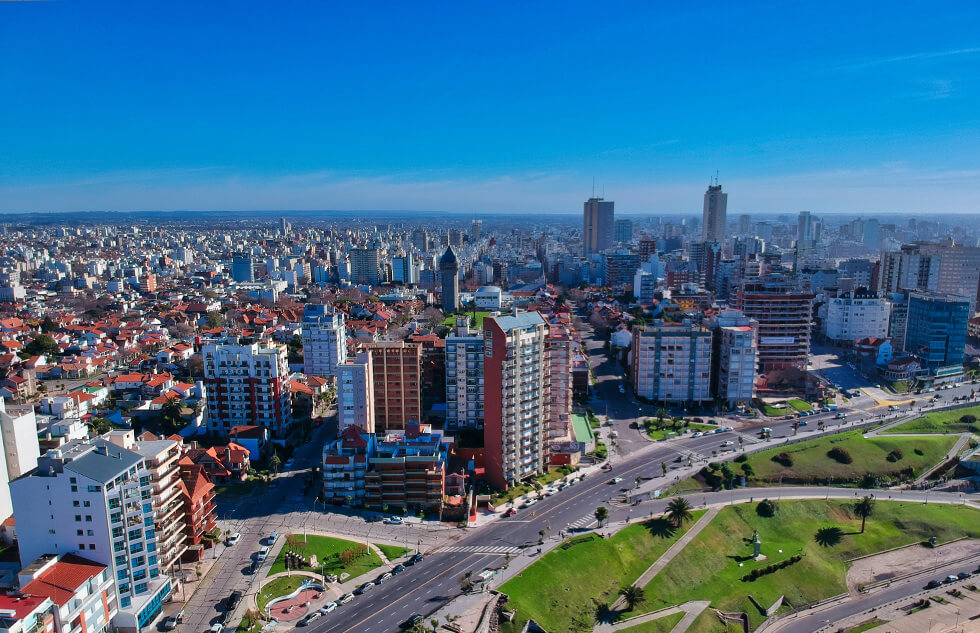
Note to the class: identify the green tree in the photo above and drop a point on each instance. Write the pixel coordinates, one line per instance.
(663, 467)
(295, 346)
(100, 425)
(601, 514)
(864, 508)
(661, 415)
(42, 344)
(214, 320)
(633, 595)
(679, 511)
(275, 462)
(170, 414)
(48, 326)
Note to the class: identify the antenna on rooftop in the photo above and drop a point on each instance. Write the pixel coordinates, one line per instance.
(593, 186)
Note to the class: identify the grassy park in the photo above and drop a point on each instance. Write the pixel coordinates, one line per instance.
(331, 553)
(282, 586)
(660, 625)
(954, 421)
(450, 320)
(711, 567)
(809, 461)
(563, 588)
(392, 552)
(777, 409)
(658, 430)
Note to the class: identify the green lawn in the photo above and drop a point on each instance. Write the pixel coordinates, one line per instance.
(450, 320)
(282, 586)
(671, 430)
(708, 568)
(562, 590)
(866, 626)
(327, 550)
(392, 552)
(811, 463)
(660, 625)
(708, 622)
(941, 422)
(799, 405)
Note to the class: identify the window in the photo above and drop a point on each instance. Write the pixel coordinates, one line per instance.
(95, 488)
(78, 517)
(88, 518)
(75, 503)
(78, 532)
(90, 533)
(87, 504)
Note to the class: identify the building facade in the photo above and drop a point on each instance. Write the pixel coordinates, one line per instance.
(785, 317)
(396, 371)
(464, 377)
(855, 315)
(517, 396)
(734, 357)
(671, 363)
(246, 384)
(597, 225)
(324, 340)
(355, 393)
(936, 330)
(714, 215)
(449, 275)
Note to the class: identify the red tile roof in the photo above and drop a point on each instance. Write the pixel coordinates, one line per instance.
(60, 581)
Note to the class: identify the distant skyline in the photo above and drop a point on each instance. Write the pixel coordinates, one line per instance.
(830, 107)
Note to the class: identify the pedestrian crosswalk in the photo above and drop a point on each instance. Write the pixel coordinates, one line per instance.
(480, 549)
(584, 523)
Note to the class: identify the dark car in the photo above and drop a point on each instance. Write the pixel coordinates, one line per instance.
(233, 600)
(397, 569)
(933, 584)
(417, 558)
(412, 621)
(962, 575)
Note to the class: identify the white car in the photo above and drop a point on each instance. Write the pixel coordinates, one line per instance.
(262, 554)
(727, 443)
(217, 628)
(698, 434)
(616, 480)
(233, 539)
(327, 608)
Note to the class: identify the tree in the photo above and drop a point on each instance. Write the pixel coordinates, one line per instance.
(42, 344)
(679, 511)
(601, 514)
(661, 414)
(181, 330)
(466, 582)
(170, 414)
(864, 508)
(663, 467)
(48, 326)
(100, 426)
(766, 508)
(214, 320)
(633, 595)
(275, 462)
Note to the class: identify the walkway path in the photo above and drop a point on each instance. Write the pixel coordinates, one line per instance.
(671, 552)
(691, 612)
(953, 452)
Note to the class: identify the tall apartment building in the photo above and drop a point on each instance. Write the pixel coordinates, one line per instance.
(855, 315)
(246, 384)
(355, 393)
(94, 499)
(517, 395)
(464, 377)
(242, 269)
(420, 240)
(597, 225)
(449, 276)
(936, 330)
(160, 461)
(344, 466)
(619, 268)
(18, 425)
(81, 592)
(403, 269)
(562, 350)
(785, 318)
(476, 230)
(734, 357)
(671, 363)
(407, 471)
(945, 268)
(898, 319)
(623, 231)
(324, 340)
(714, 215)
(365, 266)
(396, 371)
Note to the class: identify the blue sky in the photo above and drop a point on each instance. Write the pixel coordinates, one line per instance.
(827, 106)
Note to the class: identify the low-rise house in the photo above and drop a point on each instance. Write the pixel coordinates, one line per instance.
(82, 591)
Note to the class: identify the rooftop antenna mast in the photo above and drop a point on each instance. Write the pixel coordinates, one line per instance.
(593, 186)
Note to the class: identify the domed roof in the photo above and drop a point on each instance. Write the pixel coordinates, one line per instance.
(449, 258)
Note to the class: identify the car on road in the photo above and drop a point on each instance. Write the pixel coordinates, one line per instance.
(272, 538)
(933, 584)
(615, 480)
(394, 520)
(397, 569)
(373, 518)
(170, 624)
(383, 577)
(316, 615)
(344, 599)
(233, 600)
(417, 558)
(893, 408)
(801, 423)
(529, 503)
(840, 416)
(727, 443)
(233, 539)
(510, 512)
(365, 587)
(951, 578)
(963, 575)
(549, 491)
(262, 554)
(327, 608)
(697, 434)
(411, 622)
(217, 627)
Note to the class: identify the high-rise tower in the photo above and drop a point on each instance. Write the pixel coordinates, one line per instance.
(449, 271)
(597, 225)
(714, 216)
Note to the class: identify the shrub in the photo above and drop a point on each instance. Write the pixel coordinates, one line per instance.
(784, 459)
(895, 455)
(840, 455)
(968, 418)
(919, 452)
(766, 508)
(741, 458)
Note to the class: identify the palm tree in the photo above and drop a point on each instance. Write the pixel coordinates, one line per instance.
(633, 595)
(601, 514)
(679, 511)
(661, 414)
(275, 461)
(864, 508)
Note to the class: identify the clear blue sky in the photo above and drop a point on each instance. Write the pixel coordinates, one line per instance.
(465, 106)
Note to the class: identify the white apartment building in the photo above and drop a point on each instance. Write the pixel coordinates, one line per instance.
(81, 591)
(736, 356)
(247, 384)
(95, 499)
(324, 340)
(18, 426)
(355, 393)
(855, 315)
(672, 362)
(464, 377)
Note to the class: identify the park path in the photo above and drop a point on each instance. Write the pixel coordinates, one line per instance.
(953, 452)
(671, 552)
(690, 609)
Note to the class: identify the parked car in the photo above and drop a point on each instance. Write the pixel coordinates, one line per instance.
(327, 608)
(963, 575)
(510, 512)
(365, 587)
(951, 578)
(233, 539)
(272, 538)
(933, 584)
(417, 558)
(217, 627)
(383, 577)
(233, 600)
(373, 518)
(397, 569)
(528, 503)
(394, 520)
(344, 599)
(170, 624)
(316, 615)
(411, 622)
(262, 554)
